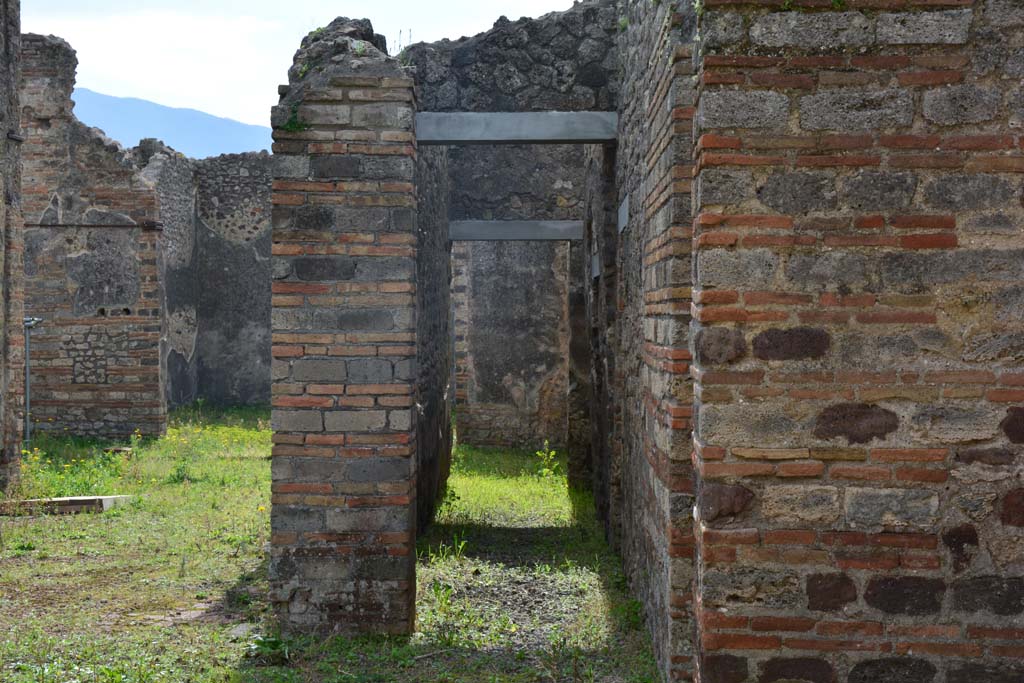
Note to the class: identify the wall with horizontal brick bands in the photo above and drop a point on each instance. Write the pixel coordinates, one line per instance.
(91, 265)
(12, 299)
(858, 353)
(344, 339)
(640, 308)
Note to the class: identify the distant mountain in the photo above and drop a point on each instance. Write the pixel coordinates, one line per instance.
(191, 132)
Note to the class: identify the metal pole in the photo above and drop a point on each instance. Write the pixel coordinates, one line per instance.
(30, 324)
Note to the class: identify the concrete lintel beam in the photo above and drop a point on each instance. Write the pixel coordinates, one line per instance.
(512, 128)
(477, 231)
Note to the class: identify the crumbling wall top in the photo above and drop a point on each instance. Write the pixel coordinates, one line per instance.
(49, 68)
(565, 61)
(343, 48)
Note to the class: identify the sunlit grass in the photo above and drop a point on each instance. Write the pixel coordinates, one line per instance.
(503, 488)
(102, 597)
(199, 445)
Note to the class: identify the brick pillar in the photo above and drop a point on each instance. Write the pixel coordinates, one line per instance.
(344, 332)
(859, 298)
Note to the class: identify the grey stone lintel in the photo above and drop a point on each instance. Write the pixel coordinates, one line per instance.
(514, 230)
(513, 128)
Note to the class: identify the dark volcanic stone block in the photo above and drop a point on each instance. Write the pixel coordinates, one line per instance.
(986, 456)
(327, 269)
(723, 500)
(1012, 513)
(893, 670)
(829, 592)
(911, 595)
(798, 343)
(797, 669)
(977, 672)
(724, 669)
(1002, 596)
(858, 422)
(1013, 425)
(335, 166)
(961, 542)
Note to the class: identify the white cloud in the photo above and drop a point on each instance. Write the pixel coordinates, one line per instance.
(226, 57)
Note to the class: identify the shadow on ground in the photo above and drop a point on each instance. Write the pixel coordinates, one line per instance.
(510, 601)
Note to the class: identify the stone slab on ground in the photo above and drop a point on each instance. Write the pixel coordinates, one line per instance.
(63, 506)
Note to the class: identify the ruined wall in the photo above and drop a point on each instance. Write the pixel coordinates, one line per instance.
(578, 443)
(213, 260)
(232, 276)
(512, 356)
(859, 354)
(215, 274)
(345, 334)
(11, 278)
(512, 343)
(637, 289)
(513, 371)
(600, 249)
(173, 179)
(434, 344)
(90, 264)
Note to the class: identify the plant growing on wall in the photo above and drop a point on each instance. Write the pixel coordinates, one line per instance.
(294, 125)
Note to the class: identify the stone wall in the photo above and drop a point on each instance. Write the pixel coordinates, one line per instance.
(512, 358)
(215, 274)
(232, 278)
(600, 246)
(346, 237)
(91, 263)
(172, 178)
(639, 239)
(434, 346)
(11, 279)
(578, 447)
(859, 351)
(512, 343)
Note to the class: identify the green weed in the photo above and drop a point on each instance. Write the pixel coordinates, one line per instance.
(549, 466)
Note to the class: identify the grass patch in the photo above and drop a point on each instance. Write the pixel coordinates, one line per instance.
(515, 583)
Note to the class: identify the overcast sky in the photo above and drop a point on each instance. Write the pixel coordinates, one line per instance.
(227, 57)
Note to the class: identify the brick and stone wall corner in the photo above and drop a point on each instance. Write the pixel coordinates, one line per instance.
(640, 308)
(858, 351)
(344, 338)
